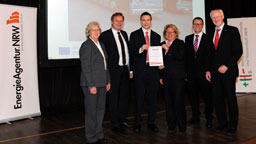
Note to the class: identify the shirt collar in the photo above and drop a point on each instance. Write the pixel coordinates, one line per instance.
(94, 41)
(144, 30)
(200, 34)
(221, 27)
(115, 31)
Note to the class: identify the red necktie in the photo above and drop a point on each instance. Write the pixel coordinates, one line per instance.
(216, 40)
(147, 42)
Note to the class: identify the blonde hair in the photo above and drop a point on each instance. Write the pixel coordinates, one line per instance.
(89, 27)
(174, 27)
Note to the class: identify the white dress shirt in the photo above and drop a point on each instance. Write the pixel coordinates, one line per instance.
(120, 48)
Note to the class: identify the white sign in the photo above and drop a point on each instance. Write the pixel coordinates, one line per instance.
(247, 66)
(19, 96)
(155, 54)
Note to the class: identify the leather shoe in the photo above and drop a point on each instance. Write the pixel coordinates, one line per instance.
(193, 121)
(153, 127)
(231, 131)
(171, 130)
(118, 129)
(102, 141)
(209, 124)
(125, 124)
(137, 128)
(221, 129)
(93, 142)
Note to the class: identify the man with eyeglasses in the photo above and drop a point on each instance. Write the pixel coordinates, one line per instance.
(198, 53)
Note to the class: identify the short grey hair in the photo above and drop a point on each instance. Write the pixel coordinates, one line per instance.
(220, 10)
(89, 26)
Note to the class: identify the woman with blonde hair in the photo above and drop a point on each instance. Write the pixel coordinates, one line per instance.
(172, 78)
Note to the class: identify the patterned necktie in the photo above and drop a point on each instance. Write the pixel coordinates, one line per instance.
(122, 48)
(196, 44)
(216, 40)
(147, 42)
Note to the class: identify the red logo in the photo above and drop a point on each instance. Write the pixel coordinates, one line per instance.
(14, 18)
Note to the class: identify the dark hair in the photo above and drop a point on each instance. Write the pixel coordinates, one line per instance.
(145, 13)
(116, 14)
(198, 18)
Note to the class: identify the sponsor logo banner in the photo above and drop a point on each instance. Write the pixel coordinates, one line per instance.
(19, 96)
(246, 81)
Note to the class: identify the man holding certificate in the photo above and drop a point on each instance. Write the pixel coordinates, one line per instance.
(146, 77)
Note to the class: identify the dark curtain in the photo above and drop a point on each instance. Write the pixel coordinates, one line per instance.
(231, 9)
(59, 85)
(30, 3)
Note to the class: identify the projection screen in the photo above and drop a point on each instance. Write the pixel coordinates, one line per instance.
(67, 19)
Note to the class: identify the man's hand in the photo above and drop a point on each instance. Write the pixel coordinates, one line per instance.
(208, 76)
(131, 75)
(222, 69)
(144, 47)
(161, 82)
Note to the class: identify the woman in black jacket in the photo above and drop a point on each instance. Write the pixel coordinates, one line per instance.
(172, 78)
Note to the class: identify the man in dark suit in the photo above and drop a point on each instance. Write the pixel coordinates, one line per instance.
(146, 77)
(224, 71)
(198, 53)
(116, 44)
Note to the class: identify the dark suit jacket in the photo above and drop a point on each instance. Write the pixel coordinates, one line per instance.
(108, 39)
(92, 63)
(198, 63)
(228, 52)
(174, 60)
(138, 60)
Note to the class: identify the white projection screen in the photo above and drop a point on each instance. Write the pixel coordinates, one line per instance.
(67, 19)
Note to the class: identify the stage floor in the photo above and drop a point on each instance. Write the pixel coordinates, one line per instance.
(68, 128)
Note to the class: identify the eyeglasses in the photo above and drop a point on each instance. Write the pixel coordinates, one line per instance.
(95, 30)
(197, 24)
(170, 32)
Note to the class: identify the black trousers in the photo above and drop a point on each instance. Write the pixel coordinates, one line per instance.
(147, 83)
(224, 95)
(175, 103)
(199, 86)
(118, 96)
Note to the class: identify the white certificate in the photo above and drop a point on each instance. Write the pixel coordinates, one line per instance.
(155, 54)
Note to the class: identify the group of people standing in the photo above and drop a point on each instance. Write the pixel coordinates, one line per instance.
(207, 62)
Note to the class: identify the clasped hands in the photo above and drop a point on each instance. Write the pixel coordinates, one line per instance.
(93, 90)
